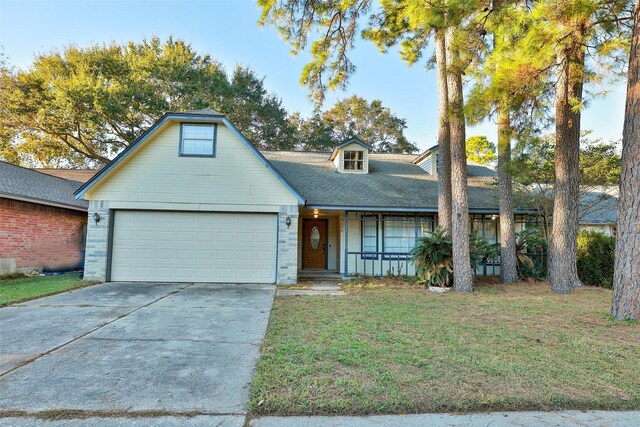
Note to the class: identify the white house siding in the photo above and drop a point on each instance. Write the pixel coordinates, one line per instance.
(155, 177)
(154, 173)
(606, 229)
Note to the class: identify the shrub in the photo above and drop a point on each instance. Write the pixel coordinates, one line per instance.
(596, 253)
(432, 256)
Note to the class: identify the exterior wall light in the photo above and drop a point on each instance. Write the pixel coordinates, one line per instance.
(96, 217)
(288, 222)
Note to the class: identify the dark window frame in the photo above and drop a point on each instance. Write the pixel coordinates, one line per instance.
(214, 141)
(415, 235)
(369, 255)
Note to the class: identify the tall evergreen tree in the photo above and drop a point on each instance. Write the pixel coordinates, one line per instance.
(626, 278)
(509, 86)
(462, 273)
(409, 23)
(576, 24)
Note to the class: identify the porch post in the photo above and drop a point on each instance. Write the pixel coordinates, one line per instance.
(346, 245)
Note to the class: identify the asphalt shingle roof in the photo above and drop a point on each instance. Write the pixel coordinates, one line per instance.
(599, 206)
(393, 181)
(29, 184)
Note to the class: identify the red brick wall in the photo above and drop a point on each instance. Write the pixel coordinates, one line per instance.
(42, 236)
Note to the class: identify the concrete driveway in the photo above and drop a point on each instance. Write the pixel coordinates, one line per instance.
(135, 347)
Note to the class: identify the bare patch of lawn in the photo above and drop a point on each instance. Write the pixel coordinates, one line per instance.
(403, 349)
(27, 288)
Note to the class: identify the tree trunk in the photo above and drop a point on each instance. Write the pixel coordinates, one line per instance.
(444, 142)
(462, 275)
(626, 277)
(563, 271)
(508, 258)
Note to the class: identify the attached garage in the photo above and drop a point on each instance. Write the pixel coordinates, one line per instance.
(191, 200)
(194, 247)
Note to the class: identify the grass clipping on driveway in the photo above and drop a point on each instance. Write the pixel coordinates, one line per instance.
(407, 350)
(26, 288)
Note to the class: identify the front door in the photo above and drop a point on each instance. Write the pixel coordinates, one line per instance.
(315, 243)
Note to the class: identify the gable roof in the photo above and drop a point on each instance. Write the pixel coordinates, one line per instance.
(393, 183)
(20, 183)
(426, 153)
(205, 116)
(347, 142)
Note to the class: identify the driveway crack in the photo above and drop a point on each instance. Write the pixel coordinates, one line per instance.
(97, 328)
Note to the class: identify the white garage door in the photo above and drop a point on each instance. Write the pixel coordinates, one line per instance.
(194, 247)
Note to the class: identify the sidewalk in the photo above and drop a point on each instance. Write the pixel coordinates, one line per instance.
(493, 419)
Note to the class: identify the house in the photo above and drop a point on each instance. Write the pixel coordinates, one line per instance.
(78, 175)
(42, 225)
(598, 210)
(193, 201)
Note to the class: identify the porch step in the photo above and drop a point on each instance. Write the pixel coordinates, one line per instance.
(318, 275)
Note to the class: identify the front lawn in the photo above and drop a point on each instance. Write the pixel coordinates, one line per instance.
(26, 288)
(407, 350)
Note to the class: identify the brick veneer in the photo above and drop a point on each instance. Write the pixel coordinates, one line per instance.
(42, 237)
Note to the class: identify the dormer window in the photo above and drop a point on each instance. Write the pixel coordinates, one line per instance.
(197, 140)
(351, 156)
(354, 160)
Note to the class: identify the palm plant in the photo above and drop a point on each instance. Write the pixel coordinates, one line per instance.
(530, 244)
(432, 256)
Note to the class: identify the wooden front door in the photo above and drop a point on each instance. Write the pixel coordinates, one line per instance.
(315, 243)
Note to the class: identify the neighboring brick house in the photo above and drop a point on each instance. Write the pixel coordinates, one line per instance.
(42, 226)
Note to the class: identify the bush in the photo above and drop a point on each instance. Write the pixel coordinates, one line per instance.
(531, 248)
(432, 257)
(596, 253)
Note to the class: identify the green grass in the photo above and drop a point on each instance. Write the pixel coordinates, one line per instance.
(15, 290)
(407, 350)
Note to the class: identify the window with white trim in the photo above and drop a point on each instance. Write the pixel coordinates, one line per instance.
(369, 236)
(354, 160)
(399, 236)
(198, 140)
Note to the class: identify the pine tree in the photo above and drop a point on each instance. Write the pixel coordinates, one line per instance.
(626, 278)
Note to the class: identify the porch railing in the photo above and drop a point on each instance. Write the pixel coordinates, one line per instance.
(399, 264)
(377, 263)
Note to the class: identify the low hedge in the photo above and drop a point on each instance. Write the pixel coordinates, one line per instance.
(596, 253)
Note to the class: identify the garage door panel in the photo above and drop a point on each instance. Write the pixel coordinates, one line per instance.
(194, 247)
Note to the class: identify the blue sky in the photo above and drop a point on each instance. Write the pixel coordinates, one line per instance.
(228, 31)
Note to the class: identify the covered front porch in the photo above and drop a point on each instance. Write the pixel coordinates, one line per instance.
(335, 243)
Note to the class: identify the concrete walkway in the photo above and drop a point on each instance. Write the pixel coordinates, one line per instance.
(122, 348)
(494, 419)
(323, 288)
